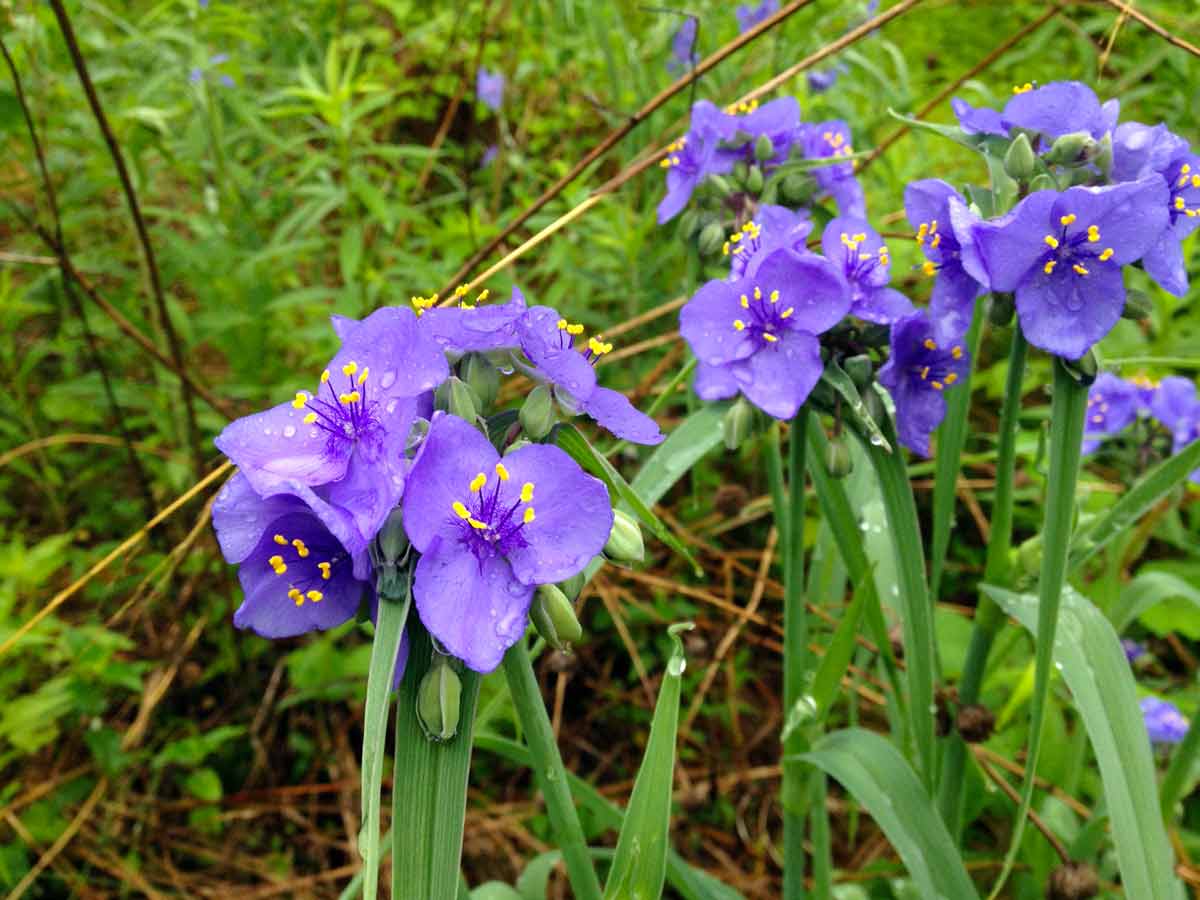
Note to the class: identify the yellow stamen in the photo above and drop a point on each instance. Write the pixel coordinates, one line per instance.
(1079, 270)
(477, 525)
(774, 296)
(276, 562)
(951, 377)
(1106, 255)
(929, 268)
(350, 368)
(745, 301)
(301, 549)
(310, 418)
(936, 385)
(1049, 266)
(528, 515)
(315, 596)
(757, 293)
(501, 471)
(1093, 234)
(575, 329)
(957, 352)
(562, 324)
(363, 375)
(324, 376)
(301, 399)
(478, 482)
(1023, 88)
(769, 338)
(937, 239)
(929, 344)
(739, 324)
(1051, 241)
(1179, 204)
(527, 492)
(1068, 219)
(924, 372)
(296, 596)
(461, 510)
(280, 540)
(787, 312)
(352, 397)
(325, 567)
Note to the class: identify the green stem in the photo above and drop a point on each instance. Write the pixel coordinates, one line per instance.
(779, 500)
(795, 653)
(1181, 767)
(1067, 413)
(988, 617)
(549, 772)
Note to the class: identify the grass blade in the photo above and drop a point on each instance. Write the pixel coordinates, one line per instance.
(640, 865)
(1094, 667)
(873, 770)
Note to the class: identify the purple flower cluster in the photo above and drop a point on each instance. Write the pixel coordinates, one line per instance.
(319, 475)
(1165, 724)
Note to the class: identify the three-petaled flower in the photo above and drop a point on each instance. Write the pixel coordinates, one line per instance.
(863, 257)
(771, 228)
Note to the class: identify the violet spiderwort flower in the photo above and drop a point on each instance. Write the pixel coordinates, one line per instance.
(863, 258)
(683, 45)
(932, 207)
(978, 119)
(778, 120)
(831, 140)
(489, 88)
(748, 15)
(489, 530)
(694, 157)
(1165, 724)
(822, 80)
(343, 445)
(549, 341)
(1146, 389)
(771, 228)
(1133, 650)
(1175, 405)
(471, 326)
(1062, 254)
(758, 335)
(917, 374)
(1058, 108)
(489, 156)
(1111, 407)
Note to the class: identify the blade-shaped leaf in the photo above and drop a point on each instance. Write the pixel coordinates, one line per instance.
(640, 865)
(873, 770)
(1089, 655)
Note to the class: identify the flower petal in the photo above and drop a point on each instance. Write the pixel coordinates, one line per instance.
(1130, 217)
(999, 252)
(706, 323)
(1064, 313)
(614, 411)
(809, 284)
(240, 516)
(779, 378)
(275, 447)
(714, 382)
(881, 305)
(402, 360)
(552, 351)
(481, 328)
(1055, 109)
(1165, 264)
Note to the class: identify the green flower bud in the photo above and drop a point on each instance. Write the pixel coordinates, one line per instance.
(1083, 369)
(554, 618)
(387, 553)
(689, 223)
(838, 461)
(764, 148)
(720, 184)
(438, 698)
(859, 369)
(1019, 161)
(1104, 157)
(482, 377)
(1029, 556)
(537, 413)
(740, 171)
(737, 423)
(455, 396)
(1072, 149)
(796, 189)
(755, 180)
(874, 405)
(1001, 310)
(712, 239)
(1137, 306)
(1043, 182)
(573, 585)
(625, 542)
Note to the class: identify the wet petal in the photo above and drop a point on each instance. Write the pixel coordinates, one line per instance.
(1064, 313)
(275, 447)
(779, 378)
(1002, 250)
(614, 411)
(552, 351)
(240, 516)
(706, 323)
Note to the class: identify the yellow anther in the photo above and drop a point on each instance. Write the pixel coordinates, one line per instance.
(325, 567)
(1023, 88)
(933, 226)
(301, 399)
(562, 324)
(1106, 255)
(929, 268)
(951, 377)
(478, 482)
(527, 492)
(924, 372)
(769, 338)
(575, 329)
(501, 471)
(280, 540)
(1179, 203)
(757, 293)
(739, 324)
(350, 368)
(937, 239)
(310, 418)
(1185, 168)
(363, 375)
(598, 347)
(929, 344)
(735, 237)
(483, 295)
(787, 312)
(936, 385)
(1051, 241)
(324, 376)
(477, 525)
(301, 549)
(276, 562)
(665, 163)
(295, 596)
(745, 301)
(1079, 269)
(460, 291)
(315, 596)
(351, 397)
(1068, 219)
(860, 237)
(921, 232)
(1049, 266)
(774, 296)
(956, 352)
(528, 515)
(461, 510)
(1196, 181)
(1093, 234)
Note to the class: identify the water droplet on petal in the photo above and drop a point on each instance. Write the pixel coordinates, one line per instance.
(289, 431)
(388, 379)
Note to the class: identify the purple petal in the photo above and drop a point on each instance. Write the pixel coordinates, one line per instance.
(343, 326)
(978, 120)
(1064, 313)
(551, 349)
(706, 323)
(1130, 216)
(275, 447)
(926, 202)
(1164, 263)
(475, 608)
(403, 360)
(1058, 108)
(779, 378)
(812, 286)
(1174, 402)
(882, 305)
(714, 382)
(240, 516)
(481, 328)
(614, 411)
(833, 245)
(1002, 250)
(952, 303)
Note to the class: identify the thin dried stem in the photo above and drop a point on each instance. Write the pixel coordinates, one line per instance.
(1011, 793)
(1162, 32)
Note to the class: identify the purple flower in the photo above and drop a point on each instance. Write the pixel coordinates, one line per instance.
(1112, 406)
(489, 88)
(771, 228)
(489, 156)
(778, 120)
(196, 75)
(860, 252)
(1055, 109)
(916, 374)
(1133, 650)
(748, 16)
(821, 80)
(471, 326)
(1165, 724)
(683, 45)
(1146, 388)
(1175, 405)
(831, 140)
(757, 335)
(296, 575)
(548, 340)
(341, 448)
(978, 119)
(694, 157)
(1062, 254)
(489, 530)
(933, 207)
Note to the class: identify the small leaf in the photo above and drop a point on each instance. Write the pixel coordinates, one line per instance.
(205, 784)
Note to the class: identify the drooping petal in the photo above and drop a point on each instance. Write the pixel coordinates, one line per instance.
(952, 303)
(779, 378)
(918, 414)
(848, 194)
(881, 305)
(275, 447)
(978, 119)
(551, 349)
(614, 412)
(1130, 217)
(706, 323)
(572, 515)
(368, 492)
(925, 202)
(240, 516)
(475, 608)
(1164, 263)
(1004, 249)
(453, 453)
(1064, 313)
(714, 382)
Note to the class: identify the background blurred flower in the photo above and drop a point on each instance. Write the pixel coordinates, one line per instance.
(683, 45)
(748, 16)
(489, 88)
(1112, 406)
(1164, 722)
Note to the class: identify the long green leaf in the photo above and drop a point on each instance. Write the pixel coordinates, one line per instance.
(1088, 653)
(389, 629)
(1145, 591)
(1151, 488)
(640, 865)
(429, 799)
(569, 439)
(827, 679)
(873, 770)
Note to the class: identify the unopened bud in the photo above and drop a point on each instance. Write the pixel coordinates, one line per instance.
(859, 369)
(795, 189)
(1137, 306)
(1104, 157)
(764, 148)
(573, 585)
(387, 553)
(975, 723)
(438, 698)
(755, 180)
(1001, 310)
(740, 171)
(838, 461)
(537, 413)
(720, 184)
(689, 222)
(625, 542)
(712, 239)
(1042, 182)
(1029, 556)
(456, 397)
(1083, 369)
(1019, 161)
(482, 377)
(737, 423)
(1072, 149)
(554, 617)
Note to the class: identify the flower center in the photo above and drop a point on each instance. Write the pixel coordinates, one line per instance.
(763, 319)
(492, 524)
(592, 351)
(858, 265)
(837, 143)
(420, 304)
(741, 109)
(348, 415)
(1186, 182)
(305, 576)
(1077, 250)
(933, 368)
(1097, 409)
(744, 243)
(673, 157)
